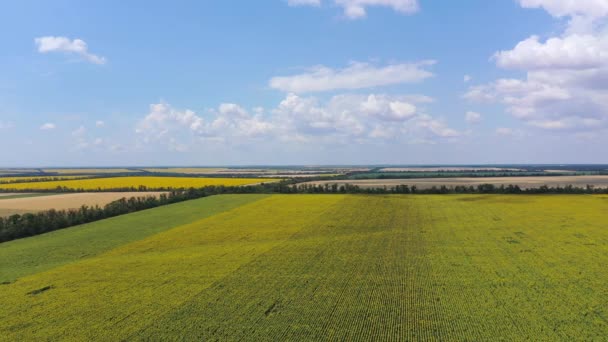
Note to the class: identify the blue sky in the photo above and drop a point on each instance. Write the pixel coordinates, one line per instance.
(303, 82)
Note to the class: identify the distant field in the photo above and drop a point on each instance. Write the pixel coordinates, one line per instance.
(33, 203)
(88, 171)
(523, 182)
(135, 182)
(446, 168)
(187, 170)
(15, 171)
(259, 172)
(37, 178)
(318, 267)
(10, 195)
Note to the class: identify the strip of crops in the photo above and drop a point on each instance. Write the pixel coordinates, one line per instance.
(340, 267)
(8, 180)
(134, 183)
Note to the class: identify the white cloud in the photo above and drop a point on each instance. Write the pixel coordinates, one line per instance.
(566, 82)
(356, 9)
(63, 44)
(356, 76)
(99, 123)
(437, 127)
(48, 126)
(467, 78)
(562, 8)
(343, 119)
(472, 117)
(570, 52)
(79, 132)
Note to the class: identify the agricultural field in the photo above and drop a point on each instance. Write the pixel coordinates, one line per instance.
(446, 169)
(134, 182)
(276, 172)
(522, 182)
(37, 178)
(318, 267)
(80, 171)
(185, 170)
(23, 203)
(4, 195)
(10, 171)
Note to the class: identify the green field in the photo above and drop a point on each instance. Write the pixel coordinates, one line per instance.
(318, 267)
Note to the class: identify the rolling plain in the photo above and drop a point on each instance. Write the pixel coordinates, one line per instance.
(318, 267)
(134, 183)
(24, 203)
(523, 182)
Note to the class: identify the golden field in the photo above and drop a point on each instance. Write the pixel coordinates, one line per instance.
(37, 178)
(135, 182)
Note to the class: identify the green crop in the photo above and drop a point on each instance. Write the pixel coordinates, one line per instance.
(332, 267)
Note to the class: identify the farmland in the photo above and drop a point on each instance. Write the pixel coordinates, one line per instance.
(19, 204)
(134, 182)
(318, 267)
(94, 171)
(522, 182)
(37, 178)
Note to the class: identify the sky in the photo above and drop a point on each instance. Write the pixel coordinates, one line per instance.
(303, 82)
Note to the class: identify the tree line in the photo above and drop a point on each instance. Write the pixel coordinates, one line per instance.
(30, 224)
(458, 189)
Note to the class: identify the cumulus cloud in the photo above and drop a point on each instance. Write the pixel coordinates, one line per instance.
(356, 76)
(99, 123)
(566, 77)
(562, 8)
(467, 78)
(66, 45)
(357, 9)
(48, 126)
(472, 117)
(575, 51)
(79, 132)
(345, 118)
(438, 127)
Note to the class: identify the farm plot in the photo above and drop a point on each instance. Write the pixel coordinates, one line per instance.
(332, 267)
(27, 256)
(79, 171)
(37, 178)
(39, 202)
(522, 182)
(134, 183)
(7, 195)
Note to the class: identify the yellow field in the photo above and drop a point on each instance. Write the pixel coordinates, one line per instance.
(135, 182)
(37, 178)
